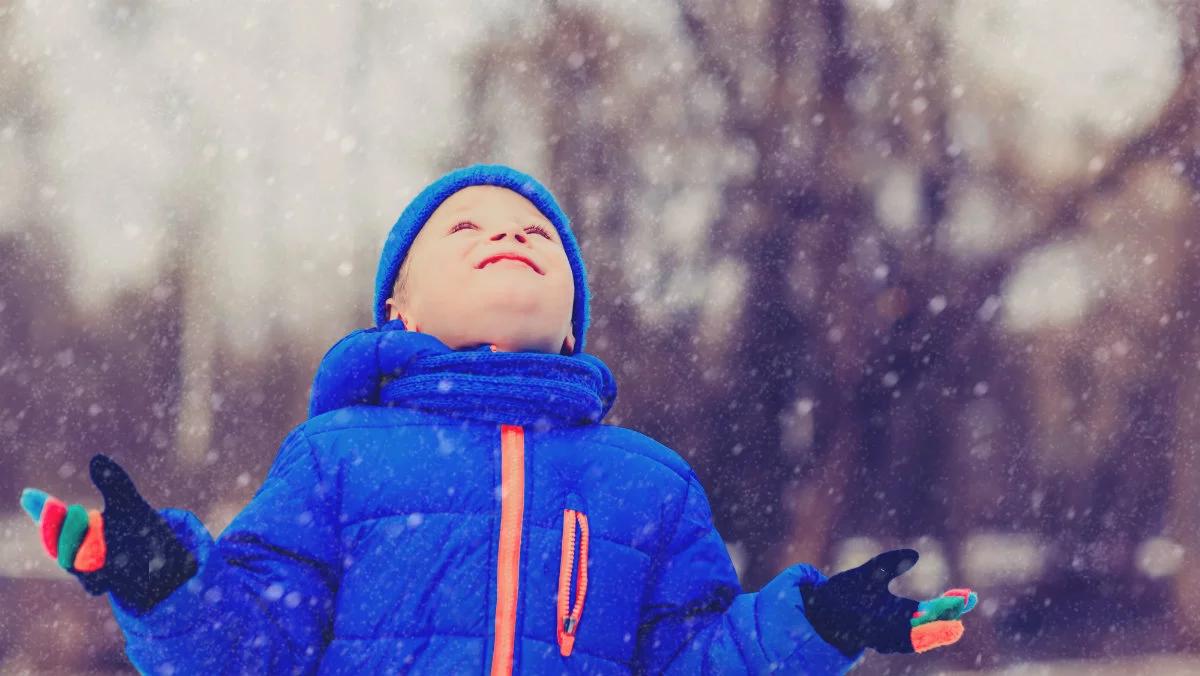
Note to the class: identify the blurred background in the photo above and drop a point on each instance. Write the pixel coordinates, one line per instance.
(886, 272)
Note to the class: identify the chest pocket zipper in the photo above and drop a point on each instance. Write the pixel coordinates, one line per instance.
(569, 614)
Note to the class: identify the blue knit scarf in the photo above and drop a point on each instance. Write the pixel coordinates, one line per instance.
(386, 367)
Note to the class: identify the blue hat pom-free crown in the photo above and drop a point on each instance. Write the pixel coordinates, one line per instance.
(405, 230)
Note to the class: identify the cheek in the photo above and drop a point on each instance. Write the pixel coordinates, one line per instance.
(565, 280)
(441, 269)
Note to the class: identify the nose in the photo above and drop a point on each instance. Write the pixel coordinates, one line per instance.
(517, 235)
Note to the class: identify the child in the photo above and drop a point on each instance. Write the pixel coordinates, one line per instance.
(454, 504)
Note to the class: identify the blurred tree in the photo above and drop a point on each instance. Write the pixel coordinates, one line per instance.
(876, 268)
(870, 377)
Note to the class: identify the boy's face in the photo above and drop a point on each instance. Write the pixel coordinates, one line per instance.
(455, 291)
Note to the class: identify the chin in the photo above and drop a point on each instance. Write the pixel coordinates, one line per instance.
(528, 300)
(507, 330)
(513, 339)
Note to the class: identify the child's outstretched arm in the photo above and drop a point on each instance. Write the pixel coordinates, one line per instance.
(696, 620)
(259, 599)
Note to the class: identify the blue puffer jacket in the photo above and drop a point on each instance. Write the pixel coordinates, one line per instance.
(481, 519)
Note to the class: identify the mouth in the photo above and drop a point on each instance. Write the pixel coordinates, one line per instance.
(509, 256)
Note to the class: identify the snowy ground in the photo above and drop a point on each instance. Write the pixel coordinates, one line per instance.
(1157, 665)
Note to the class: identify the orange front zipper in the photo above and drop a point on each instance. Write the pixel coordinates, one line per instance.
(568, 622)
(508, 561)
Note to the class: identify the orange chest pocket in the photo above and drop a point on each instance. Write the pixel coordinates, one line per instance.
(573, 566)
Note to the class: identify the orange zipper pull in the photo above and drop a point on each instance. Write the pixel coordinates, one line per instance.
(568, 624)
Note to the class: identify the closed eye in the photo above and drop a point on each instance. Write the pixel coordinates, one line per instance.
(533, 228)
(540, 230)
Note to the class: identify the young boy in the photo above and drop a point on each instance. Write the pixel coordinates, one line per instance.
(454, 504)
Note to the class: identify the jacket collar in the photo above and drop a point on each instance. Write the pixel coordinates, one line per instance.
(520, 388)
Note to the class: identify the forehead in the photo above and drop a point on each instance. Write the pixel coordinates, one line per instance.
(487, 197)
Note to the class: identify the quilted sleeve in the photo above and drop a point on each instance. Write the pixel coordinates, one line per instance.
(697, 620)
(262, 598)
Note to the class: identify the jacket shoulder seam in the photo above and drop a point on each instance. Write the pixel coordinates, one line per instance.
(682, 474)
(312, 434)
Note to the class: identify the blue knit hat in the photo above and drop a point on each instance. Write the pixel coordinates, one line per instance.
(405, 230)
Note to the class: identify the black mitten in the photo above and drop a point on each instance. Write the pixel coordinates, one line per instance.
(854, 610)
(128, 549)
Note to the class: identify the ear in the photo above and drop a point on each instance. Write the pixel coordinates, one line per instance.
(568, 345)
(393, 312)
